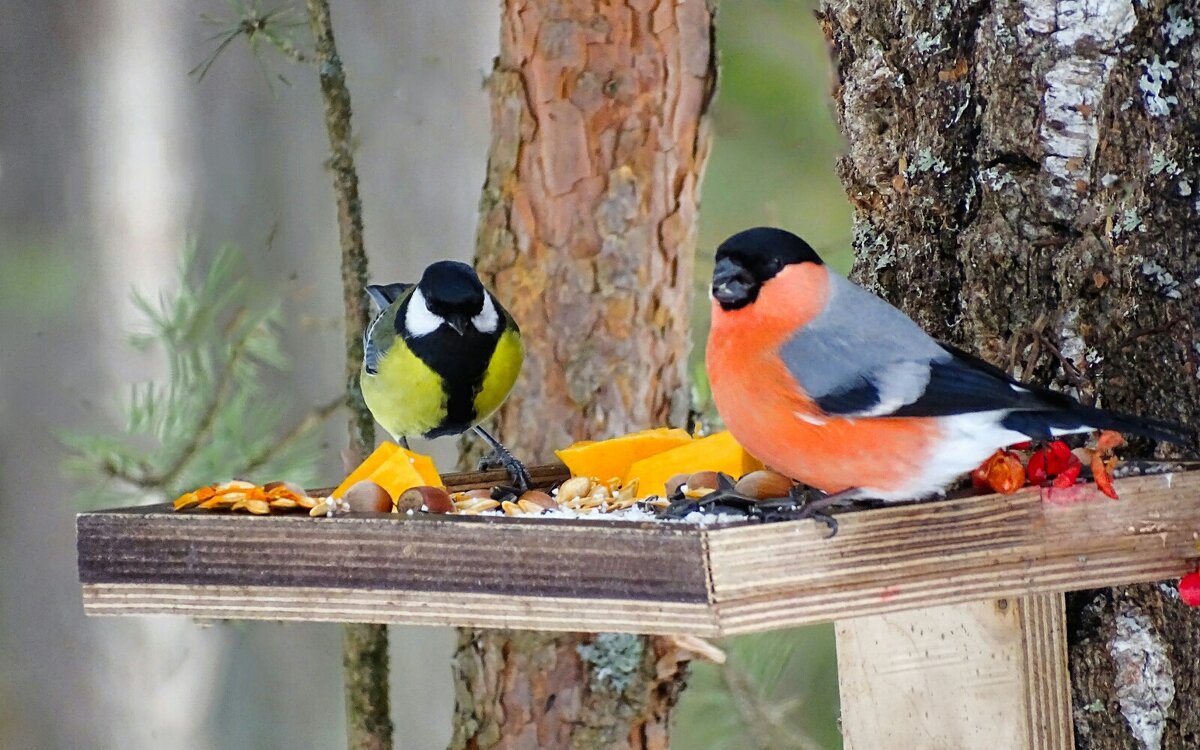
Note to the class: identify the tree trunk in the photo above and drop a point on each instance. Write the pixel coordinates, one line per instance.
(587, 234)
(1025, 178)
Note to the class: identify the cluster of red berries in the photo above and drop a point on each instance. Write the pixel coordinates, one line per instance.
(1054, 465)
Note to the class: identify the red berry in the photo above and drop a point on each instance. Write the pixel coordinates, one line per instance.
(1058, 457)
(1189, 589)
(1037, 467)
(1023, 445)
(1067, 476)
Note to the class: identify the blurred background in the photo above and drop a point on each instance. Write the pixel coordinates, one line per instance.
(114, 160)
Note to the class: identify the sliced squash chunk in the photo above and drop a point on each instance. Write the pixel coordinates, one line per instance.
(605, 459)
(394, 469)
(718, 452)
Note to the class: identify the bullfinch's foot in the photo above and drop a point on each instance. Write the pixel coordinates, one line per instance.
(502, 458)
(725, 499)
(806, 506)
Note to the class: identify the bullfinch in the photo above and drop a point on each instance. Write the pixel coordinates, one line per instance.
(440, 357)
(832, 386)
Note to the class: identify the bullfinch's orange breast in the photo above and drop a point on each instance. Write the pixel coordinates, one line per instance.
(764, 407)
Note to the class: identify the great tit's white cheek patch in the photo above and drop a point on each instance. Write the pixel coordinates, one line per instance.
(418, 319)
(488, 319)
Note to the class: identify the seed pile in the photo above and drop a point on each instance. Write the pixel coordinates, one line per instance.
(238, 495)
(576, 496)
(583, 495)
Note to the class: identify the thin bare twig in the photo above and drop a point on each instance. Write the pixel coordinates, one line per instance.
(364, 646)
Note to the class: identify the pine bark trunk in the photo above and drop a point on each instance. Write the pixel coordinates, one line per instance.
(1025, 178)
(587, 234)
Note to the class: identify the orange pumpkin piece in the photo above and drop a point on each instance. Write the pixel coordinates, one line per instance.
(718, 452)
(605, 459)
(394, 469)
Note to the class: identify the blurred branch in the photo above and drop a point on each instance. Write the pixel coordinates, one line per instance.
(365, 646)
(763, 726)
(211, 414)
(203, 431)
(310, 422)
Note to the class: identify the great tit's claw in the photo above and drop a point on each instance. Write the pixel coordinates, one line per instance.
(489, 462)
(501, 457)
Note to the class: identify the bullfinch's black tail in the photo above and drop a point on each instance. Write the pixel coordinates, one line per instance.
(1079, 418)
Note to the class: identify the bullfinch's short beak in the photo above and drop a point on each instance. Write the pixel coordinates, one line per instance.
(731, 284)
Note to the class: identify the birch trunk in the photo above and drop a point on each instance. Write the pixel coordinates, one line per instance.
(587, 234)
(1025, 179)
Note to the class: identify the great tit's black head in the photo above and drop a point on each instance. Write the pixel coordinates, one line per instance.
(750, 258)
(450, 292)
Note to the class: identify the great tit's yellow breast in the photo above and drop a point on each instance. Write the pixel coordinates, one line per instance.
(406, 397)
(500, 374)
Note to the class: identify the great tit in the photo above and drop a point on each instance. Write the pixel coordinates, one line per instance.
(440, 357)
(832, 386)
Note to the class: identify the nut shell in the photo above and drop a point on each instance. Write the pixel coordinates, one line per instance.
(703, 480)
(432, 499)
(763, 485)
(368, 497)
(675, 482)
(539, 498)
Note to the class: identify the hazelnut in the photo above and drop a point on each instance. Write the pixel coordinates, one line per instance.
(764, 485)
(367, 497)
(431, 499)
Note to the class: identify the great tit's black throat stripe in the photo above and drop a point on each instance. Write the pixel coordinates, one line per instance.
(461, 361)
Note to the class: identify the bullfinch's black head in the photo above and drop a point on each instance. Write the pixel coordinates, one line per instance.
(750, 258)
(450, 292)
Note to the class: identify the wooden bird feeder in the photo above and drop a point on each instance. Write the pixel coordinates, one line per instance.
(954, 606)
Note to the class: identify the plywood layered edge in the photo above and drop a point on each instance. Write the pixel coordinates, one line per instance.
(531, 573)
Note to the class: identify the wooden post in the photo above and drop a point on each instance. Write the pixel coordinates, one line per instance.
(990, 674)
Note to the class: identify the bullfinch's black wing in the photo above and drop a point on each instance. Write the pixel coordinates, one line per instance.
(863, 358)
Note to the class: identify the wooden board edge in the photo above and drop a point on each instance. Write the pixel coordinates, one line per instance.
(398, 607)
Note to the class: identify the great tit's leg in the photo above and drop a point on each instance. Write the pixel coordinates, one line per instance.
(403, 442)
(501, 456)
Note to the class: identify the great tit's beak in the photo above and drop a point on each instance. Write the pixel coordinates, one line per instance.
(458, 323)
(732, 285)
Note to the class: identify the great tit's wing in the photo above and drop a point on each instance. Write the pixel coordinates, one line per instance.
(370, 355)
(861, 357)
(386, 294)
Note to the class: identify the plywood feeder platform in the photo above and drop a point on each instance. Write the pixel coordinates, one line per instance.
(976, 579)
